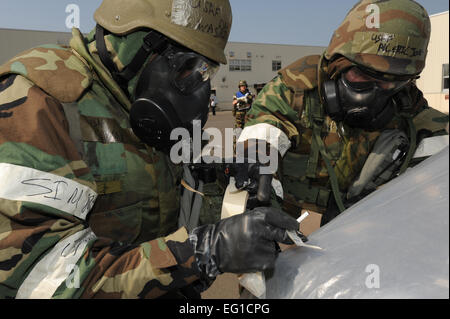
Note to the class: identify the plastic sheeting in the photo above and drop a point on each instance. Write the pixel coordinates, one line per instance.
(392, 244)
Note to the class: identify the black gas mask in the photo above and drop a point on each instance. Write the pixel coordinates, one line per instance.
(173, 91)
(360, 100)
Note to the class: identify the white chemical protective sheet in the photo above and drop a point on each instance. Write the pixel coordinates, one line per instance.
(392, 244)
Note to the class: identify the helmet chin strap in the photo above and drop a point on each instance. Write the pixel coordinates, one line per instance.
(153, 42)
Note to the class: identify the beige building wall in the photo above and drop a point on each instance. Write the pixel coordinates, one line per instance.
(261, 56)
(432, 79)
(225, 82)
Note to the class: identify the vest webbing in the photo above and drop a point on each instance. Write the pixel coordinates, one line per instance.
(310, 101)
(318, 146)
(412, 142)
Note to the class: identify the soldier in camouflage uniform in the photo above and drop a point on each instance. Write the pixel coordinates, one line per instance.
(242, 103)
(329, 115)
(87, 210)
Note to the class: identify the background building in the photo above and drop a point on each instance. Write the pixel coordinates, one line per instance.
(16, 41)
(257, 64)
(434, 79)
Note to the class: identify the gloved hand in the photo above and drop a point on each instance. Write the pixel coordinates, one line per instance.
(251, 174)
(259, 186)
(244, 243)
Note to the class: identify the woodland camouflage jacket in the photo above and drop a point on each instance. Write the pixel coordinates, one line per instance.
(86, 210)
(290, 103)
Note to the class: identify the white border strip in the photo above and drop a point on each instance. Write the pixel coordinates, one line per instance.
(19, 183)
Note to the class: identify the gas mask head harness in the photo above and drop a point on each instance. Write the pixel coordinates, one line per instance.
(363, 99)
(173, 90)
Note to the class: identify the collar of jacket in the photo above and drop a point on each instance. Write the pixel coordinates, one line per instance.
(78, 45)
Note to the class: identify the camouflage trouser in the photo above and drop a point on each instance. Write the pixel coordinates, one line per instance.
(239, 123)
(240, 119)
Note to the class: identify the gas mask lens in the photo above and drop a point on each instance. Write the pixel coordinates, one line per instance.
(359, 80)
(192, 70)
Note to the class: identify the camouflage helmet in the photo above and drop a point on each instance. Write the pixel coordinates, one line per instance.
(243, 83)
(385, 36)
(202, 26)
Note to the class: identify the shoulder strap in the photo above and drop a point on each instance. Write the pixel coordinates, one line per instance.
(191, 200)
(405, 105)
(412, 144)
(331, 172)
(317, 119)
(318, 146)
(153, 42)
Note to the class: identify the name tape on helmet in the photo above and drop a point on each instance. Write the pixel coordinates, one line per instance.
(389, 45)
(201, 15)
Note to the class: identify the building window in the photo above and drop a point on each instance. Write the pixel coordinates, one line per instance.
(246, 65)
(445, 77)
(276, 65)
(240, 65)
(249, 55)
(235, 65)
(231, 54)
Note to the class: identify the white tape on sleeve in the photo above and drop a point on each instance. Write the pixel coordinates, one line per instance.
(26, 184)
(56, 267)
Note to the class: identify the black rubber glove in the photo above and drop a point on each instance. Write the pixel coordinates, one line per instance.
(255, 164)
(259, 186)
(244, 243)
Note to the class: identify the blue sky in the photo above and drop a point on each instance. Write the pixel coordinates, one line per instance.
(307, 22)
